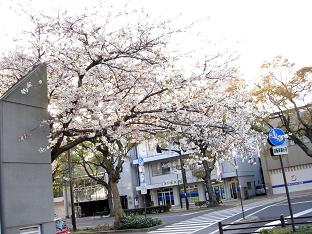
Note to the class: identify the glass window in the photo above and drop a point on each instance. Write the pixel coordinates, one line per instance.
(165, 168)
(156, 169)
(192, 193)
(249, 185)
(165, 196)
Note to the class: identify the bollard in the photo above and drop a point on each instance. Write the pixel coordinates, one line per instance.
(220, 228)
(282, 219)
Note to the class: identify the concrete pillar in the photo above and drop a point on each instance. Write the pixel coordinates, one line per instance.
(153, 194)
(66, 202)
(201, 192)
(176, 196)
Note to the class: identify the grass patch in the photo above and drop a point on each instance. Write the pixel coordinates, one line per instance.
(100, 227)
(288, 230)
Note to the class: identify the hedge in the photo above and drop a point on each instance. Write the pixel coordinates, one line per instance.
(149, 210)
(200, 203)
(133, 222)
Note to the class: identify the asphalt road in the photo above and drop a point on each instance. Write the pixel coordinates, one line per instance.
(302, 207)
(206, 221)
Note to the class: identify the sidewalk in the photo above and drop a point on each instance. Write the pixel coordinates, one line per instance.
(97, 220)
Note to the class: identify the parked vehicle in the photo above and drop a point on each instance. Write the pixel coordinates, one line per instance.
(61, 227)
(260, 190)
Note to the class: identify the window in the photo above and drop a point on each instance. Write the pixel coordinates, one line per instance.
(30, 230)
(162, 168)
(249, 185)
(192, 193)
(165, 168)
(156, 169)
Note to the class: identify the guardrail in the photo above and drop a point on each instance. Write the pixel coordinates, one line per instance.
(224, 227)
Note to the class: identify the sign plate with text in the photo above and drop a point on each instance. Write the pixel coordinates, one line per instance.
(280, 150)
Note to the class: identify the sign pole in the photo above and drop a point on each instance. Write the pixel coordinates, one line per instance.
(277, 139)
(287, 194)
(144, 205)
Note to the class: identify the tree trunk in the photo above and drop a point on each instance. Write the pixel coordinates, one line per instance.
(211, 195)
(117, 208)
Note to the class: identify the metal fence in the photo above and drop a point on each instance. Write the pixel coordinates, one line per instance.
(246, 227)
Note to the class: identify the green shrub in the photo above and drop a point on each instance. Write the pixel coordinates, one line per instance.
(149, 210)
(200, 203)
(133, 222)
(288, 230)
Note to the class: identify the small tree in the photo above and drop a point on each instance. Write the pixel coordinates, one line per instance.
(91, 164)
(284, 93)
(107, 158)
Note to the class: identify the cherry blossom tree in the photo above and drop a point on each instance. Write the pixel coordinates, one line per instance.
(216, 121)
(112, 76)
(102, 73)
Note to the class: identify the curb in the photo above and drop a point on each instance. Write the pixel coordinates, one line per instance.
(124, 230)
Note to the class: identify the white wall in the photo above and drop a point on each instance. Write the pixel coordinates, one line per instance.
(298, 178)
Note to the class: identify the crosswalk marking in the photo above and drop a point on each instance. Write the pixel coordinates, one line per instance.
(195, 224)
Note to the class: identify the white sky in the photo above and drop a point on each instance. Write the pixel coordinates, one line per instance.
(257, 30)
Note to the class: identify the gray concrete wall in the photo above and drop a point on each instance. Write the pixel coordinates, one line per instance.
(26, 183)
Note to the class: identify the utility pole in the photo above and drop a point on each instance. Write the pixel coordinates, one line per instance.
(179, 190)
(240, 190)
(187, 205)
(72, 202)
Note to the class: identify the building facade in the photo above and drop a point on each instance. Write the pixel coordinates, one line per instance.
(297, 164)
(163, 182)
(297, 167)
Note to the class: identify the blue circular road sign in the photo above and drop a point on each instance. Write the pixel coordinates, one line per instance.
(141, 161)
(277, 136)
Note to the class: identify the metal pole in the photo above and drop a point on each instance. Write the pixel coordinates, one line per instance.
(184, 181)
(240, 190)
(72, 202)
(287, 194)
(179, 191)
(220, 228)
(144, 205)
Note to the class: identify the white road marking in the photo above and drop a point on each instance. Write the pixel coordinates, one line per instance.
(198, 223)
(249, 215)
(278, 222)
(294, 203)
(196, 212)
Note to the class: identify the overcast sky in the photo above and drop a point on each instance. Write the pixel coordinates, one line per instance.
(257, 30)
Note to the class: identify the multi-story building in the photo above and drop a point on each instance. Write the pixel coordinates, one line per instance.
(297, 164)
(164, 182)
